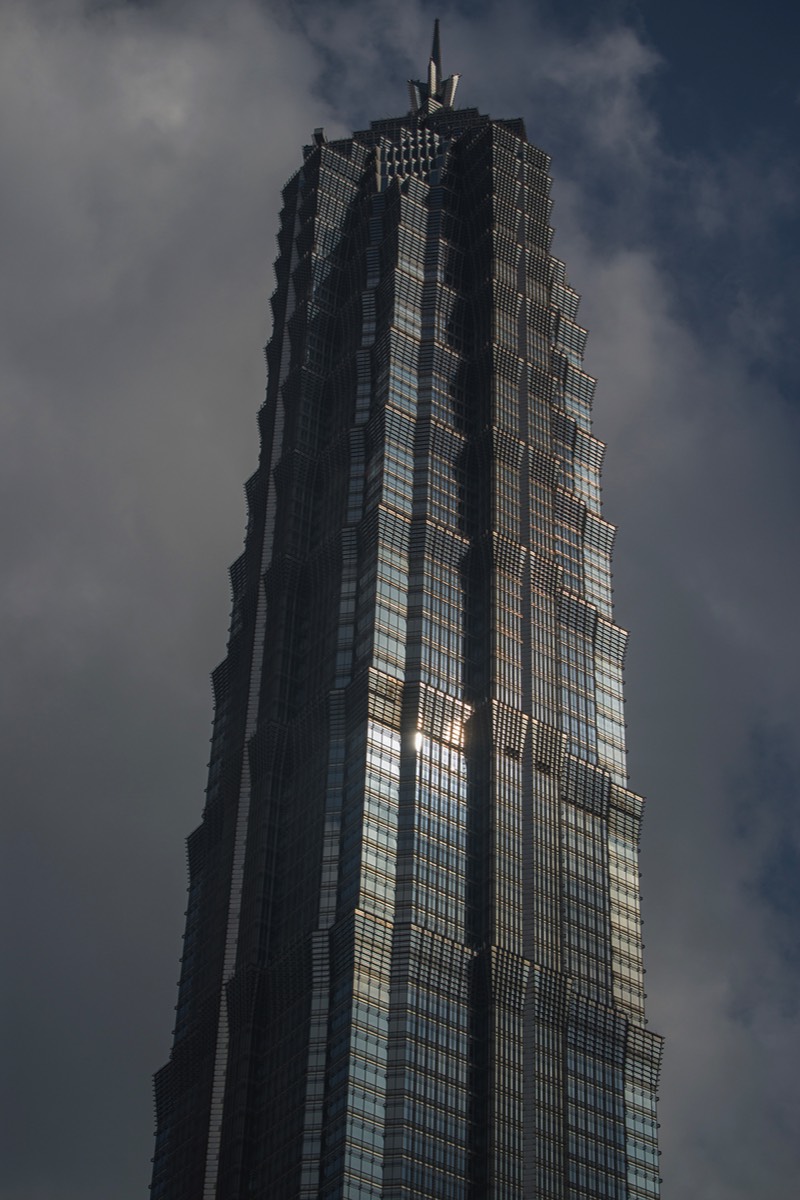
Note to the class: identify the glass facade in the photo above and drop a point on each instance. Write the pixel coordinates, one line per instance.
(413, 959)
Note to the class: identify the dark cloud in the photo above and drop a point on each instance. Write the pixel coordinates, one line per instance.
(144, 147)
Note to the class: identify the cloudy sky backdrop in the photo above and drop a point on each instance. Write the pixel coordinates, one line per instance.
(142, 151)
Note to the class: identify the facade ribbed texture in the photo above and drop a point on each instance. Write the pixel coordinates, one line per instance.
(413, 957)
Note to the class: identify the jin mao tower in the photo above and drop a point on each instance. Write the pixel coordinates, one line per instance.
(413, 962)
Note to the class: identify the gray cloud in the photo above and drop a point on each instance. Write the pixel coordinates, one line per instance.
(144, 148)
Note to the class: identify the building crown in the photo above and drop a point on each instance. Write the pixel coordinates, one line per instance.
(428, 96)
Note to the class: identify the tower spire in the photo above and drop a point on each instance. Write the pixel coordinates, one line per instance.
(435, 92)
(436, 52)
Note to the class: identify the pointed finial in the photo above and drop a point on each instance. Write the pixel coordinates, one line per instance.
(435, 92)
(436, 52)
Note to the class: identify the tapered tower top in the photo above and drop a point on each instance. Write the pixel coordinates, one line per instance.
(426, 97)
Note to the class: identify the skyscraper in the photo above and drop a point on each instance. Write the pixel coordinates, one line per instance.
(413, 960)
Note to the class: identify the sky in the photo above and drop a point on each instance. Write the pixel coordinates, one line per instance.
(143, 148)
